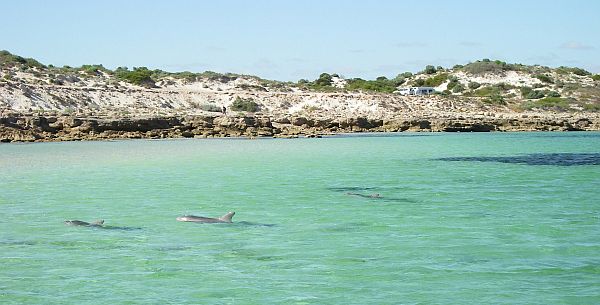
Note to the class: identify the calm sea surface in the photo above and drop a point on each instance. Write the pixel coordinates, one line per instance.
(495, 218)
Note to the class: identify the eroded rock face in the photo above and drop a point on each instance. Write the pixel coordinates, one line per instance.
(32, 128)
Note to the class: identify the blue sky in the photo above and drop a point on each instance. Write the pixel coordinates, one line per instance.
(289, 40)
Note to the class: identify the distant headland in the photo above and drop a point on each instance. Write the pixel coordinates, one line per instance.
(41, 102)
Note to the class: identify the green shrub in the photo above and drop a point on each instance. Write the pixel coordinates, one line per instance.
(437, 80)
(552, 94)
(525, 91)
(474, 85)
(452, 83)
(495, 99)
(324, 80)
(596, 77)
(535, 94)
(488, 66)
(381, 84)
(92, 70)
(555, 103)
(544, 78)
(458, 88)
(9, 60)
(405, 75)
(429, 69)
(248, 105)
(489, 91)
(140, 76)
(574, 70)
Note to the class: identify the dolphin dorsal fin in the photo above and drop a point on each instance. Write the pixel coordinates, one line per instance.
(98, 222)
(227, 217)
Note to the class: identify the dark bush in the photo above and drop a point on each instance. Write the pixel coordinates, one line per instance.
(497, 89)
(488, 66)
(139, 76)
(405, 75)
(248, 105)
(324, 80)
(596, 77)
(8, 60)
(381, 84)
(525, 91)
(458, 88)
(92, 70)
(185, 75)
(452, 83)
(574, 70)
(474, 85)
(544, 78)
(429, 69)
(535, 94)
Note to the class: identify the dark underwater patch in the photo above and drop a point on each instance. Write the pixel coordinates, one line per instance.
(556, 159)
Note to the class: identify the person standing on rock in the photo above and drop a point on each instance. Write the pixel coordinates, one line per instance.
(224, 110)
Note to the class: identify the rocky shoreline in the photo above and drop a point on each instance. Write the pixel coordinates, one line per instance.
(18, 127)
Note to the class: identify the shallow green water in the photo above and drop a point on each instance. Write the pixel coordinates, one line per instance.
(442, 232)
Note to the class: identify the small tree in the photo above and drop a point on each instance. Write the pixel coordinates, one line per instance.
(324, 80)
(429, 69)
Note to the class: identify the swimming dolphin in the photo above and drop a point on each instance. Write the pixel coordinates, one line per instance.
(376, 195)
(97, 223)
(223, 219)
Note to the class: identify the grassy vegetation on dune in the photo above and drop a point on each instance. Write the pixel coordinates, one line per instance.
(437, 80)
(140, 76)
(574, 70)
(548, 103)
(381, 84)
(578, 85)
(9, 60)
(488, 66)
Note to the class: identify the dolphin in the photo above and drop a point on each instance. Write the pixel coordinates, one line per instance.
(97, 223)
(376, 195)
(223, 219)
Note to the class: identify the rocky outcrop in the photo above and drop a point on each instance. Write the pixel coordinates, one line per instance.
(36, 128)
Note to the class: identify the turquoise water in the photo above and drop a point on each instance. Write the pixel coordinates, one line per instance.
(306, 231)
